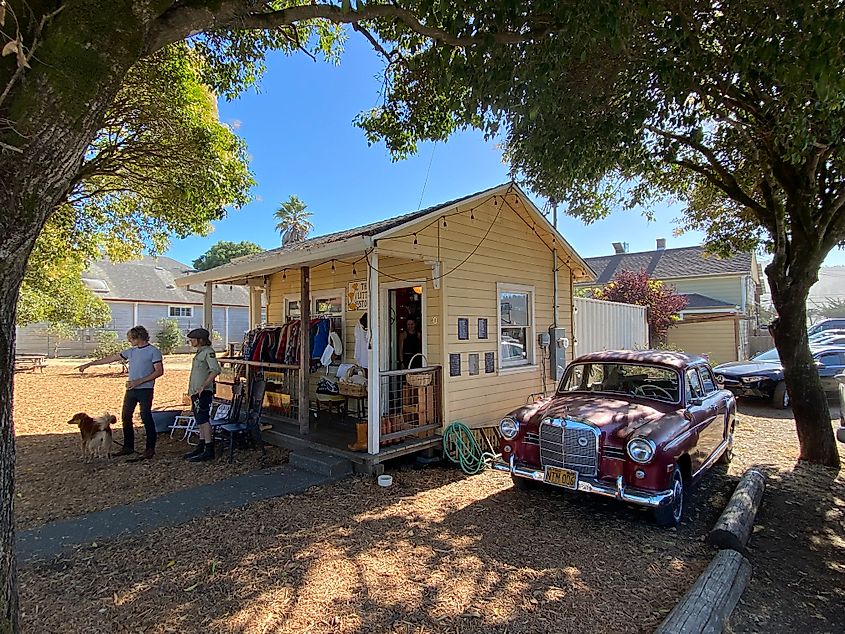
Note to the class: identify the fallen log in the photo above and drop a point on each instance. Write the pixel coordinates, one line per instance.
(705, 609)
(733, 528)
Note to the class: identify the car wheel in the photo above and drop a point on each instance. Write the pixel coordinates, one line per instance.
(780, 398)
(728, 454)
(523, 484)
(670, 515)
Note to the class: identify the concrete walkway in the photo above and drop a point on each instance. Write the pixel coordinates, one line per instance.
(178, 507)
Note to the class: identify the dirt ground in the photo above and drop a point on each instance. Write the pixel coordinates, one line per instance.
(438, 552)
(53, 482)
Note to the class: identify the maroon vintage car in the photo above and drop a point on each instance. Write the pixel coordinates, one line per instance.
(635, 426)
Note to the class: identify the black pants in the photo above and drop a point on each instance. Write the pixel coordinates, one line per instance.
(143, 398)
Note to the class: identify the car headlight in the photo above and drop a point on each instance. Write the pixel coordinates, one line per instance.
(641, 450)
(753, 379)
(509, 428)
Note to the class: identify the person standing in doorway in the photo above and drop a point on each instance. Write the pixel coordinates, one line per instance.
(145, 366)
(204, 369)
(411, 345)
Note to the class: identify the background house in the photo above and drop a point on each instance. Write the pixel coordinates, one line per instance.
(723, 294)
(142, 292)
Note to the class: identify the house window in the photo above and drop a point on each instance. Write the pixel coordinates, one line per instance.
(516, 325)
(181, 311)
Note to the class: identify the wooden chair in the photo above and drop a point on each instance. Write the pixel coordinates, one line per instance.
(246, 426)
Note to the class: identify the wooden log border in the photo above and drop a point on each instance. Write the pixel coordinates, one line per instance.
(705, 609)
(734, 527)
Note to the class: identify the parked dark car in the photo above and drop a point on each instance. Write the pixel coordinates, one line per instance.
(636, 426)
(762, 376)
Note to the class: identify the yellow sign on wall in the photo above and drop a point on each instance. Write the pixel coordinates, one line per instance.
(357, 295)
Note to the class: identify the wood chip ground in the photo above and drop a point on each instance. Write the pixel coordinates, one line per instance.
(438, 552)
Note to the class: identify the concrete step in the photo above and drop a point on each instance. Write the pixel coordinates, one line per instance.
(321, 463)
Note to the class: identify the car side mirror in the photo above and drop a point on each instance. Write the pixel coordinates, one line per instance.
(695, 401)
(819, 364)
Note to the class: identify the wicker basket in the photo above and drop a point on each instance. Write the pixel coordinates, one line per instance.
(419, 379)
(354, 390)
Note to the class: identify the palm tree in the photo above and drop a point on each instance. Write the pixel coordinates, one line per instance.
(293, 223)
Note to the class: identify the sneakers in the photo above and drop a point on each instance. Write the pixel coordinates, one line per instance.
(197, 451)
(207, 454)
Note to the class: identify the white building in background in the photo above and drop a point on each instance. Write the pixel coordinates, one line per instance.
(142, 292)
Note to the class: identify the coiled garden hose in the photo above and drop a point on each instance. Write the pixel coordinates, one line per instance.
(460, 446)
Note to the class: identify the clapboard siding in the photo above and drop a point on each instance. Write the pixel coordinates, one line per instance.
(475, 257)
(715, 338)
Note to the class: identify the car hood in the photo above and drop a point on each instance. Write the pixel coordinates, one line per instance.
(615, 417)
(747, 368)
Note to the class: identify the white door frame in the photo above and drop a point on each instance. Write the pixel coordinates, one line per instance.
(385, 320)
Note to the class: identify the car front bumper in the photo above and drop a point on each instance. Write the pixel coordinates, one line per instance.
(641, 497)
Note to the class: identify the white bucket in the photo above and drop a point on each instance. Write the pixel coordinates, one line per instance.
(385, 480)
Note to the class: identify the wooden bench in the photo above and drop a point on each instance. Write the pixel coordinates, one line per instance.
(30, 362)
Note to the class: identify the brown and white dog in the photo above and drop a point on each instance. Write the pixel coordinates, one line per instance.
(96, 439)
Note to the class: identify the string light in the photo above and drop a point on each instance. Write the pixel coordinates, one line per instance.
(333, 269)
(285, 274)
(415, 239)
(354, 272)
(472, 214)
(444, 222)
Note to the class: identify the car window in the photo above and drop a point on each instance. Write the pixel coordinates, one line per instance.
(694, 388)
(831, 359)
(707, 380)
(768, 355)
(644, 381)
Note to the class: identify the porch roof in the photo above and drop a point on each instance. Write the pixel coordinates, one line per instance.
(353, 241)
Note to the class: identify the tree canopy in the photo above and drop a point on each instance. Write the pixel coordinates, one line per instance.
(224, 252)
(161, 165)
(735, 110)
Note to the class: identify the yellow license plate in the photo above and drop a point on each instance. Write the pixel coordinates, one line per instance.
(562, 477)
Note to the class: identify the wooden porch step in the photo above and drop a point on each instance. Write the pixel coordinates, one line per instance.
(321, 463)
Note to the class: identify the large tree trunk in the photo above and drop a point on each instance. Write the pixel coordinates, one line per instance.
(56, 108)
(790, 282)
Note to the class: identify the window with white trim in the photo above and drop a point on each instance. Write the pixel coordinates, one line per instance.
(181, 311)
(516, 325)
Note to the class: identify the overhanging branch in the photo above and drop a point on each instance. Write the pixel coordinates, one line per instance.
(182, 21)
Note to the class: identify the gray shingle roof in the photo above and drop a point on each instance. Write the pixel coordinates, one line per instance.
(670, 263)
(695, 300)
(152, 279)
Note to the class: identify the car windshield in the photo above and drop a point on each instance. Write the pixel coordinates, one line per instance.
(770, 356)
(622, 378)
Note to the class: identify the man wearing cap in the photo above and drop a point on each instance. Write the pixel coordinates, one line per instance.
(204, 369)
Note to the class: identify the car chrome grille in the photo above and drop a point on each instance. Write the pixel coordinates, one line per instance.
(569, 444)
(617, 453)
(532, 439)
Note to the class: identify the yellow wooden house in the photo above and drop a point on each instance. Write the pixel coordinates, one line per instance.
(484, 278)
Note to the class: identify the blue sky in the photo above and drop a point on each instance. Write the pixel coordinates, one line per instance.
(301, 139)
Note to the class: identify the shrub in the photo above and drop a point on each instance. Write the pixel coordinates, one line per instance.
(169, 336)
(108, 343)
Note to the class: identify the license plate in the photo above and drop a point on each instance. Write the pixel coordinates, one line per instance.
(562, 477)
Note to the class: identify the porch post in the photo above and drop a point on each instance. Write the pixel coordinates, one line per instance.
(207, 304)
(255, 296)
(373, 383)
(304, 346)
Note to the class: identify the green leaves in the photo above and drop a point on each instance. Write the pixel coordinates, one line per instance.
(224, 252)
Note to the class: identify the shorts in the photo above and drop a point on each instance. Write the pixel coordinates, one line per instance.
(201, 404)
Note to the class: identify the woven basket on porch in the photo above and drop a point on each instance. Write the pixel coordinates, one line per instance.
(347, 388)
(419, 379)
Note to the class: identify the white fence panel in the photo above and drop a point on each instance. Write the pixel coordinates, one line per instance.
(601, 325)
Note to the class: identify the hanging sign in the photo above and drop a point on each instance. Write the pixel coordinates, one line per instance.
(357, 295)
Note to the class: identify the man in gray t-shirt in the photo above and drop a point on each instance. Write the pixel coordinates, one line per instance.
(145, 366)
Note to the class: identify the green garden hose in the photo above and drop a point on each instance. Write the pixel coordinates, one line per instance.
(460, 446)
